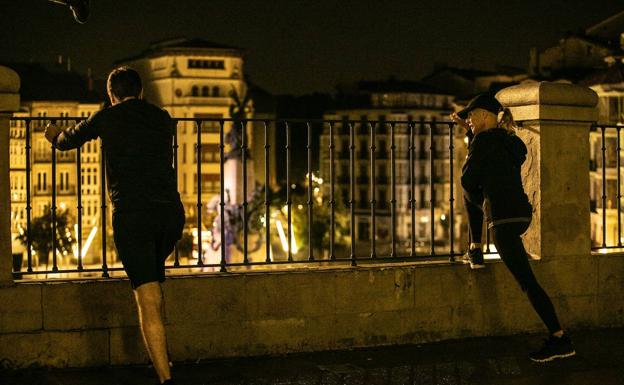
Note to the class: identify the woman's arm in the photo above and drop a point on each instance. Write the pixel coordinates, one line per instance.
(472, 180)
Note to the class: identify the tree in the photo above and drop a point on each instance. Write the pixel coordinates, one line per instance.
(41, 235)
(239, 110)
(321, 219)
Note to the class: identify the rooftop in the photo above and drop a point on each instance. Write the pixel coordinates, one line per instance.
(184, 46)
(56, 83)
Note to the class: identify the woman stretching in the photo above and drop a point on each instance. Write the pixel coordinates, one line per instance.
(491, 175)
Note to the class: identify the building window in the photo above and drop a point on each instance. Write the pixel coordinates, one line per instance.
(209, 154)
(206, 64)
(216, 92)
(363, 231)
(205, 91)
(209, 183)
(195, 91)
(363, 197)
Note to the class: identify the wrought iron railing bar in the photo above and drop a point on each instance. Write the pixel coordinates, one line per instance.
(352, 191)
(223, 228)
(245, 203)
(604, 188)
(393, 191)
(53, 206)
(451, 192)
(79, 207)
(432, 128)
(28, 199)
(176, 253)
(373, 185)
(310, 198)
(619, 193)
(412, 191)
(103, 207)
(332, 201)
(288, 189)
(267, 189)
(198, 157)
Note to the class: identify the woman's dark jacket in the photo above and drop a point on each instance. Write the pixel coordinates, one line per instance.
(491, 174)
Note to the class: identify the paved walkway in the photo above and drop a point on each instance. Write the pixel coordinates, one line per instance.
(478, 361)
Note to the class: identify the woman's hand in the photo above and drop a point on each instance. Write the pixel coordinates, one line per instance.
(459, 121)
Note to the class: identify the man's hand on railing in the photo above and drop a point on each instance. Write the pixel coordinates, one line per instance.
(51, 132)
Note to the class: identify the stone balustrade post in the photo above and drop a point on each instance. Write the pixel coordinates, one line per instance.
(555, 119)
(9, 103)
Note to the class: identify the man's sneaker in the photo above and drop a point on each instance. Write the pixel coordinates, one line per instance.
(554, 348)
(475, 258)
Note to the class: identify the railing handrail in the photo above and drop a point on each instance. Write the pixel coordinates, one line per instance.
(259, 120)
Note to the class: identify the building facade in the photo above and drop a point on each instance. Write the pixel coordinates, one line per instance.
(76, 100)
(199, 80)
(378, 106)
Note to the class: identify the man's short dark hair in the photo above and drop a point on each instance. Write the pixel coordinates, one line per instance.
(124, 82)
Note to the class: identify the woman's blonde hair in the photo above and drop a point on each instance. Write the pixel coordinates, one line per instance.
(506, 121)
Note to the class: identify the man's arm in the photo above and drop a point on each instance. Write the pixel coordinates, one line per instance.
(74, 136)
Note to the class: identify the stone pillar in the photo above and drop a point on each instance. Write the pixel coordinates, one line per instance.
(9, 102)
(555, 121)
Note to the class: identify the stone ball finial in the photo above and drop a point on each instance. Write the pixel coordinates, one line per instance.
(9, 90)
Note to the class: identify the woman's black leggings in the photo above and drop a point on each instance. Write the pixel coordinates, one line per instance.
(511, 250)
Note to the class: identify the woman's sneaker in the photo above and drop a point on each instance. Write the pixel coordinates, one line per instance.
(475, 258)
(554, 348)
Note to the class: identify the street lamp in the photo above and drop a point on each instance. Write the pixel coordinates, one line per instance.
(80, 8)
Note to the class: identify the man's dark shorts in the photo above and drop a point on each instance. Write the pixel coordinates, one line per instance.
(145, 238)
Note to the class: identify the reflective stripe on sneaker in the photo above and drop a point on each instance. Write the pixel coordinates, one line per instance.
(552, 357)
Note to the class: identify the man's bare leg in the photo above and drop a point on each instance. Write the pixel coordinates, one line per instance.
(149, 303)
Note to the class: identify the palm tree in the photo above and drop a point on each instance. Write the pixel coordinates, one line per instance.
(41, 235)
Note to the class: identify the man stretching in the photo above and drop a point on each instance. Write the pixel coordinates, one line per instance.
(148, 216)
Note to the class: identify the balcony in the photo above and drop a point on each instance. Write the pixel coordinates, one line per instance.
(66, 157)
(42, 157)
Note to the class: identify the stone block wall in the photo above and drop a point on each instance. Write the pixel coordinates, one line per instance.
(92, 323)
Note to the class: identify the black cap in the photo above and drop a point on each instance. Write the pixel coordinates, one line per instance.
(486, 101)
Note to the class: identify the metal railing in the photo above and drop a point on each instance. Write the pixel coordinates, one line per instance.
(606, 200)
(350, 251)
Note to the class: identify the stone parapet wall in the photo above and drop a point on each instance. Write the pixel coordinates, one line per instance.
(256, 314)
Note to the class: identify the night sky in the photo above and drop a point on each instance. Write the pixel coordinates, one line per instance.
(303, 46)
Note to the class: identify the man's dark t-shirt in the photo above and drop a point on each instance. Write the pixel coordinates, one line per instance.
(137, 139)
